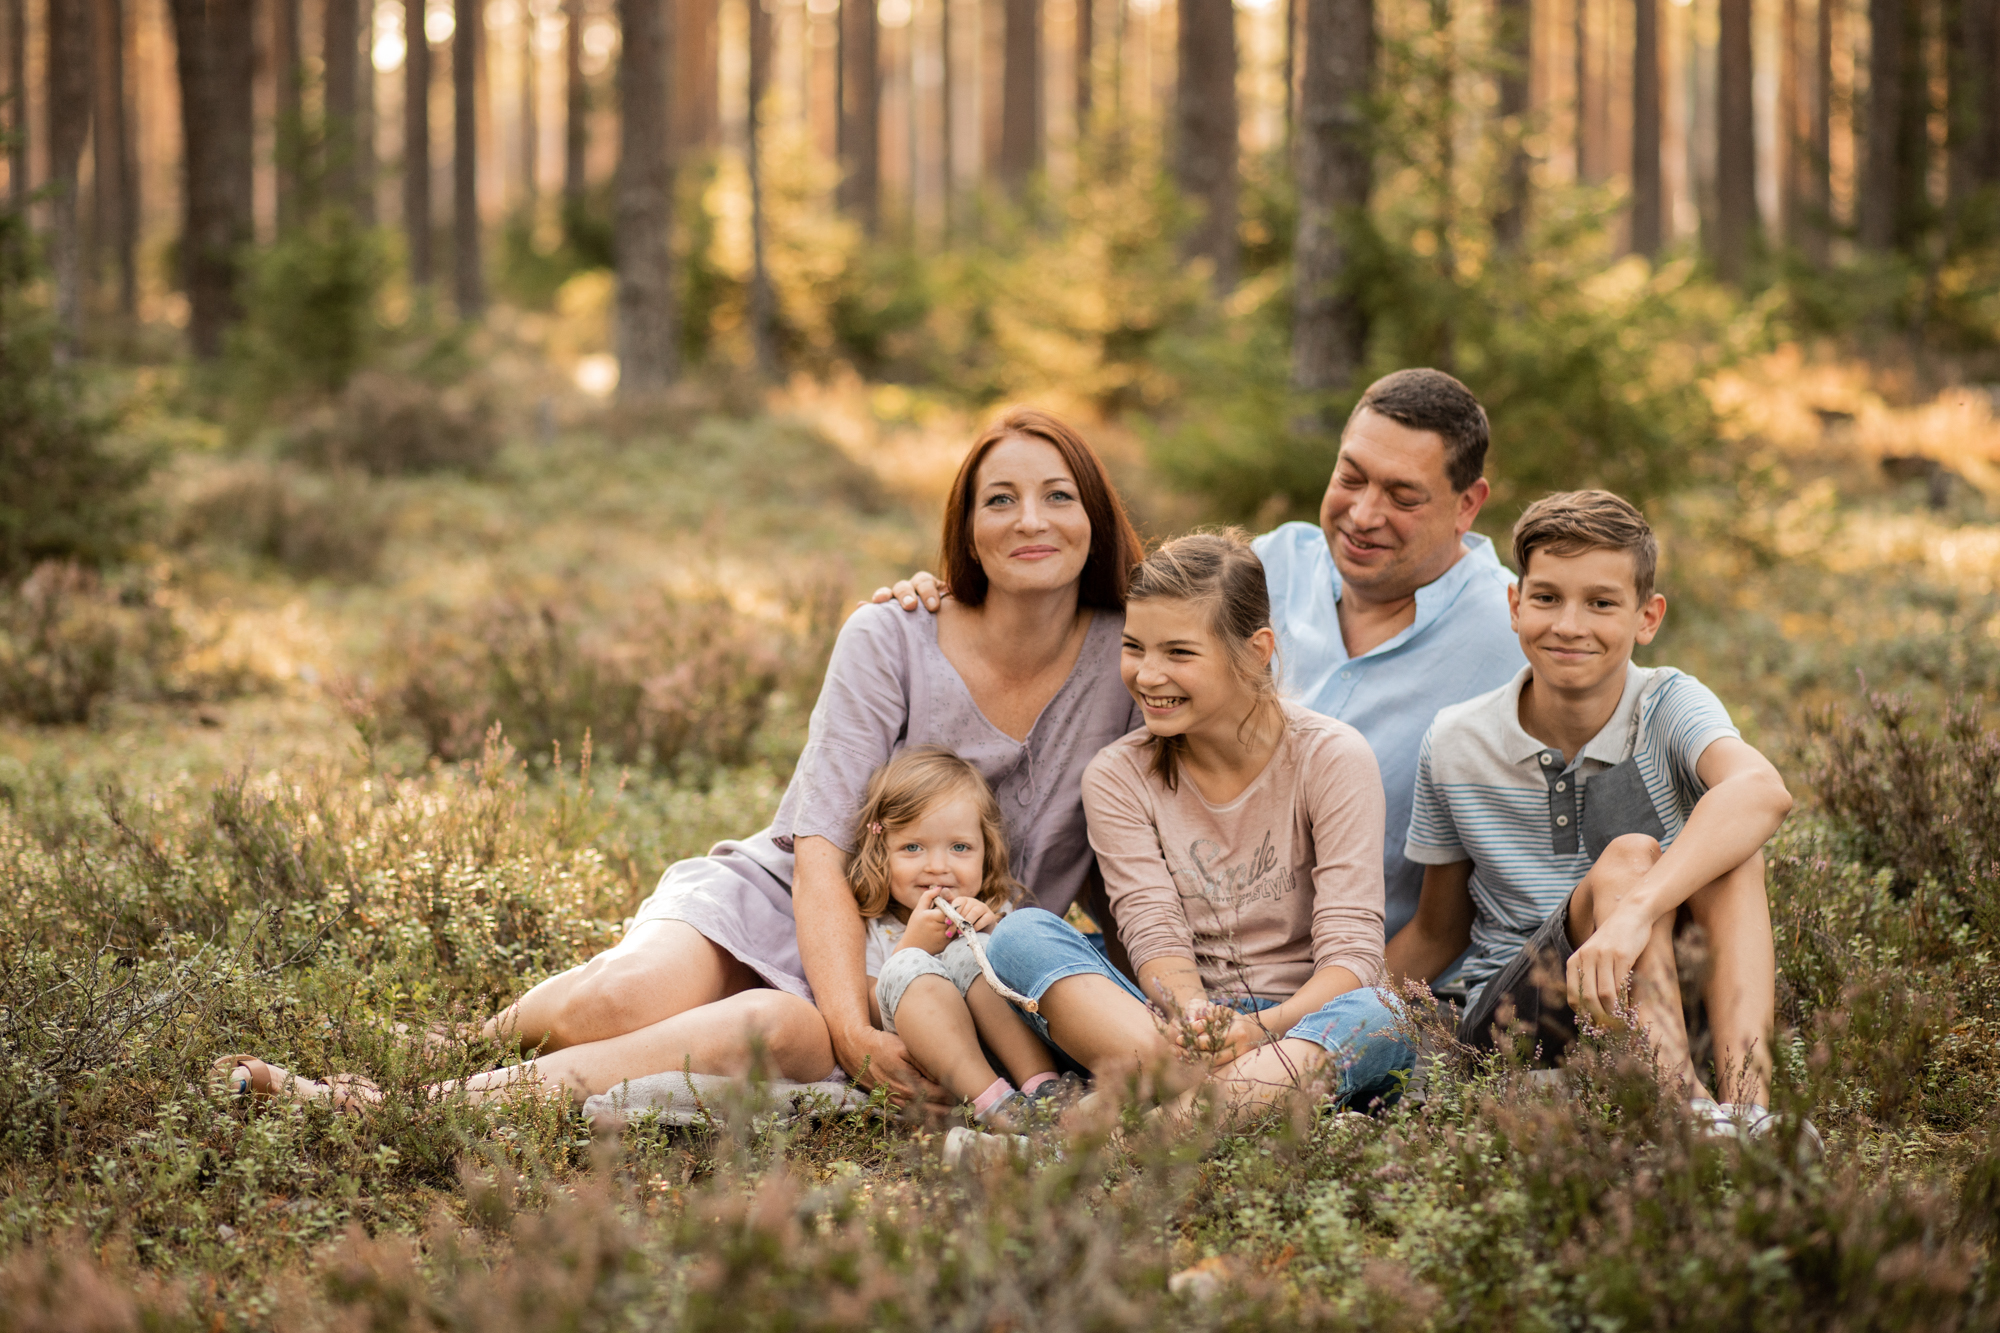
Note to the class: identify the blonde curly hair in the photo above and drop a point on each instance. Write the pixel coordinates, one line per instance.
(898, 794)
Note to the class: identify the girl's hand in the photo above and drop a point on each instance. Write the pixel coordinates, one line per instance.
(977, 914)
(1214, 1031)
(928, 929)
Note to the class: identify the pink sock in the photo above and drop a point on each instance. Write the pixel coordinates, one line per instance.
(1028, 1088)
(984, 1101)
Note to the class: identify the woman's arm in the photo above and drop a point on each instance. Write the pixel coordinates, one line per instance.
(833, 946)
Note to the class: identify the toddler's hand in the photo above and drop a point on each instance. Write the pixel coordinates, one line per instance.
(977, 914)
(928, 929)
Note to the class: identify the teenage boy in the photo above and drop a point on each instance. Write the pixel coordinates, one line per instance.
(1574, 820)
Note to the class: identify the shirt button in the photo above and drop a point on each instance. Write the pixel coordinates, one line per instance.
(1562, 786)
(1562, 820)
(1347, 675)
(1545, 759)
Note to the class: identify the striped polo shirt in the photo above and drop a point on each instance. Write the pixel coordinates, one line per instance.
(1489, 793)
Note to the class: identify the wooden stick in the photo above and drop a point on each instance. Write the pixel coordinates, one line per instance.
(979, 952)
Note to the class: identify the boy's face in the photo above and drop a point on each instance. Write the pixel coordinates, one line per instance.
(1579, 616)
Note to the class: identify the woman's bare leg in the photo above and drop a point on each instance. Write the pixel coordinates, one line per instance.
(660, 969)
(1019, 1049)
(720, 1038)
(1741, 991)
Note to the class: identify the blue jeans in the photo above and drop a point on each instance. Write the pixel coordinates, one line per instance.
(1032, 950)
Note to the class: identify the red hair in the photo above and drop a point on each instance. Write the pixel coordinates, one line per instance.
(1114, 544)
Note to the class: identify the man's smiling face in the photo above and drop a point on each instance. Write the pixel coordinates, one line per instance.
(1390, 514)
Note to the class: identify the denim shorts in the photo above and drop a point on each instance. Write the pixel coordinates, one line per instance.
(1031, 950)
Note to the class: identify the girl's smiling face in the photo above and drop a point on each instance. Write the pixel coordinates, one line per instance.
(943, 848)
(1181, 673)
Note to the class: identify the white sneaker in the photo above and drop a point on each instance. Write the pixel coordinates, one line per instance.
(1748, 1120)
(975, 1151)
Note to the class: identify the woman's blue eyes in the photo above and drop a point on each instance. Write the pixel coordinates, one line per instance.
(993, 500)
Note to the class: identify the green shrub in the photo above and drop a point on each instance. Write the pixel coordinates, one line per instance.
(331, 525)
(390, 423)
(67, 490)
(311, 315)
(672, 682)
(68, 643)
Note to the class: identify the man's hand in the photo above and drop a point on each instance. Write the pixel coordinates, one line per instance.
(879, 1059)
(1599, 974)
(921, 586)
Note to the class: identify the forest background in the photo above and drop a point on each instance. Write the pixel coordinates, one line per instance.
(439, 441)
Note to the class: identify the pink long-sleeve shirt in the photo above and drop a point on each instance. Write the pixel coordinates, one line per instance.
(1261, 892)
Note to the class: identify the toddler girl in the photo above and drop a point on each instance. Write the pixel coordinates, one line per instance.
(929, 829)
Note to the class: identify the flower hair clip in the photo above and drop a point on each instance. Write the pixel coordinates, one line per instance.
(875, 826)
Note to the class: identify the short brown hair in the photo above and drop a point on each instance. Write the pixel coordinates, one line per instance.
(1114, 545)
(1431, 400)
(898, 794)
(1572, 522)
(1220, 570)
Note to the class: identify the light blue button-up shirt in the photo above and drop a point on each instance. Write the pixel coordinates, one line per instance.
(1459, 647)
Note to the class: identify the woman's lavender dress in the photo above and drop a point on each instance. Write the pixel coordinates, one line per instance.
(889, 687)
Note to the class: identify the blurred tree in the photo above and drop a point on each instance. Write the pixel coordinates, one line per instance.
(365, 164)
(289, 76)
(338, 140)
(468, 276)
(216, 57)
(1736, 146)
(531, 120)
(1913, 129)
(694, 51)
(1020, 94)
(417, 226)
(70, 71)
(1335, 171)
(947, 120)
(1972, 99)
(1894, 203)
(17, 103)
(1513, 37)
(576, 120)
(1647, 193)
(1206, 131)
(1819, 191)
(1588, 169)
(1086, 55)
(114, 176)
(646, 323)
(859, 193)
(1794, 127)
(763, 312)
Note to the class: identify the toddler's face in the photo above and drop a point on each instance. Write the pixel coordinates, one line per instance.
(940, 849)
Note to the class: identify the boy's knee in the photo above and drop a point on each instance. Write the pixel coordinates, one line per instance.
(1631, 852)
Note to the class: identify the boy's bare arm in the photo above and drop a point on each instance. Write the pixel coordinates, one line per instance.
(1440, 930)
(1745, 802)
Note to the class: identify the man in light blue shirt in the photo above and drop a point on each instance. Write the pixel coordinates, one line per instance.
(1393, 608)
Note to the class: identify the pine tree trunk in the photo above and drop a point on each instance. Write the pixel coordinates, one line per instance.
(1587, 167)
(1086, 52)
(948, 116)
(468, 277)
(646, 334)
(70, 71)
(1648, 194)
(1972, 133)
(289, 77)
(366, 168)
(17, 102)
(1881, 175)
(215, 56)
(1513, 46)
(417, 224)
(1819, 191)
(576, 118)
(338, 139)
(763, 308)
(1792, 126)
(1735, 146)
(117, 226)
(693, 113)
(860, 191)
(1913, 133)
(530, 111)
(1020, 94)
(1206, 131)
(1335, 174)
